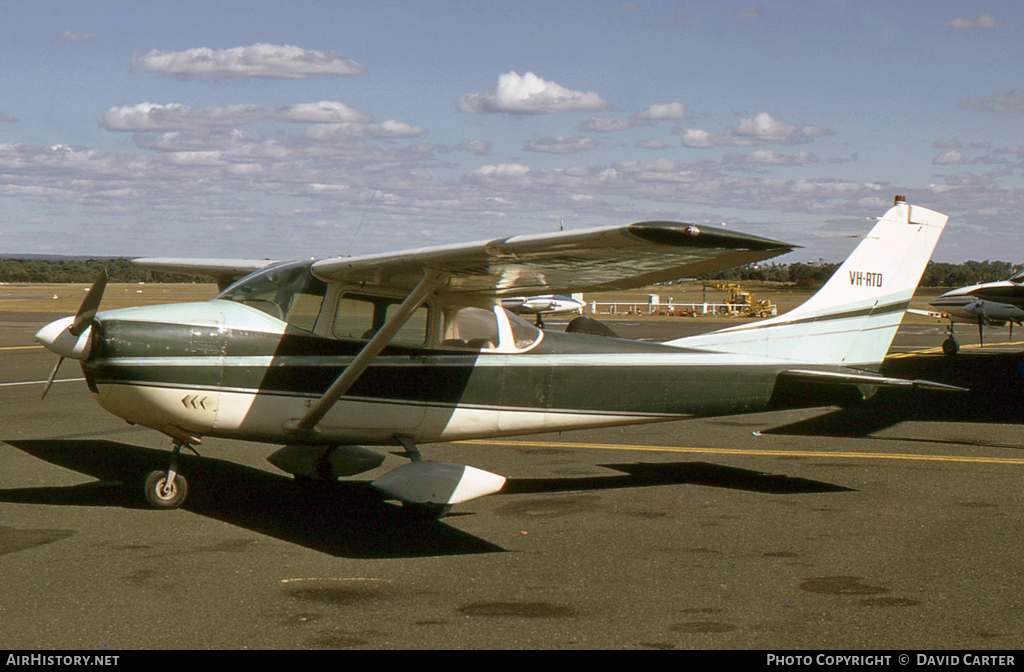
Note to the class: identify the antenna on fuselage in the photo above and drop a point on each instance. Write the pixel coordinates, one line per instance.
(354, 233)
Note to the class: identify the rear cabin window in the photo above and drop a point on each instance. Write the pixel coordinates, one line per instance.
(360, 316)
(475, 328)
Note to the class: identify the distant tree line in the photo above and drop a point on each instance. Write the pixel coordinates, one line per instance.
(76, 270)
(816, 275)
(796, 274)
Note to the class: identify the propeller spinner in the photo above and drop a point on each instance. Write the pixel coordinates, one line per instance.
(71, 336)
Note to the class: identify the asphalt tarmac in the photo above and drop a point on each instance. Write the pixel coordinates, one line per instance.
(892, 526)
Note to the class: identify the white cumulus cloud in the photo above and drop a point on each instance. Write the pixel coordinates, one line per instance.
(478, 147)
(324, 112)
(155, 117)
(659, 112)
(504, 170)
(983, 21)
(603, 125)
(78, 37)
(530, 94)
(1008, 103)
(763, 129)
(950, 158)
(766, 157)
(259, 60)
(559, 145)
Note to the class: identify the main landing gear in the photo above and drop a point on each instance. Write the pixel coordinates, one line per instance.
(168, 489)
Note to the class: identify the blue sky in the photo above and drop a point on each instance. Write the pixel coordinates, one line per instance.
(296, 129)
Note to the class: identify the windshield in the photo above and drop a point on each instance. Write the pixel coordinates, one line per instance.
(288, 292)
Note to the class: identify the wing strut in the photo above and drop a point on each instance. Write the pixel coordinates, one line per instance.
(307, 423)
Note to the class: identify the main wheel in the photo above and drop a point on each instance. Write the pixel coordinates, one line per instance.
(160, 496)
(951, 346)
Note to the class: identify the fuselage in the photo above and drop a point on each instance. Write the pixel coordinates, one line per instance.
(219, 368)
(991, 302)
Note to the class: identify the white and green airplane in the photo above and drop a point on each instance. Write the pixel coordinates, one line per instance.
(326, 357)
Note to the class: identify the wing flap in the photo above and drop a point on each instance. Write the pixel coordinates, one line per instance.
(572, 261)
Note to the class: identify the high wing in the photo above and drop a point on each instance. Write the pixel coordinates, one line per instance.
(225, 271)
(598, 259)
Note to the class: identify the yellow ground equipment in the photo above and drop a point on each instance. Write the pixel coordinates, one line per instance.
(743, 303)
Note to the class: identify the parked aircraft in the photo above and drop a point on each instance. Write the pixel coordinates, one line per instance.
(411, 348)
(546, 304)
(987, 304)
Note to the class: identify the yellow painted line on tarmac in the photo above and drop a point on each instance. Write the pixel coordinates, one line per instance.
(752, 453)
(353, 578)
(22, 347)
(968, 346)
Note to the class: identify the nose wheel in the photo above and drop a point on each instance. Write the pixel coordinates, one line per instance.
(167, 489)
(163, 492)
(951, 346)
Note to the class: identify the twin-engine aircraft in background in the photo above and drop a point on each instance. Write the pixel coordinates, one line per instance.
(991, 304)
(545, 304)
(326, 357)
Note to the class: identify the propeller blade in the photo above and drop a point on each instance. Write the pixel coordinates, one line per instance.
(981, 336)
(53, 374)
(87, 311)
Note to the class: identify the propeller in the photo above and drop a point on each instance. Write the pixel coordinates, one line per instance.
(53, 374)
(84, 318)
(87, 311)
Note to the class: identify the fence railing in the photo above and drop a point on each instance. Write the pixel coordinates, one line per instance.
(668, 308)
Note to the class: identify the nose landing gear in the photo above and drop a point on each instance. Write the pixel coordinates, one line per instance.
(950, 346)
(168, 489)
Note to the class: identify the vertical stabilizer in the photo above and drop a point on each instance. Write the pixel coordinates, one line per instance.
(852, 320)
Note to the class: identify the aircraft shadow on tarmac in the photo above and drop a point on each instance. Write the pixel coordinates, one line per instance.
(648, 474)
(995, 381)
(347, 518)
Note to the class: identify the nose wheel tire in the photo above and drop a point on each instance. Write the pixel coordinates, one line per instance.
(160, 495)
(950, 346)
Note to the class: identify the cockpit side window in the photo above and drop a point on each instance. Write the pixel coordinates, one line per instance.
(360, 316)
(288, 292)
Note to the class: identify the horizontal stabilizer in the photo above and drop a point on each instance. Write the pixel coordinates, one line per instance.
(845, 378)
(440, 483)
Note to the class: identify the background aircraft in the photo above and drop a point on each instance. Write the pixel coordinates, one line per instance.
(987, 304)
(411, 348)
(546, 304)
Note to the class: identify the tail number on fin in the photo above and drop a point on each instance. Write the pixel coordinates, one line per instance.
(862, 279)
